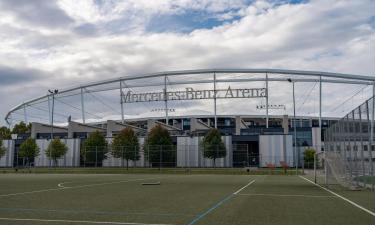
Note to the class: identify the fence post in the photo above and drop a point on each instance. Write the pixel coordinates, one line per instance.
(175, 154)
(247, 155)
(96, 156)
(315, 167)
(148, 153)
(135, 157)
(122, 157)
(84, 157)
(50, 155)
(160, 155)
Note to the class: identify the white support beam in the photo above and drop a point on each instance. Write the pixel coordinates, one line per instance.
(215, 112)
(320, 112)
(122, 104)
(267, 100)
(83, 106)
(166, 99)
(25, 113)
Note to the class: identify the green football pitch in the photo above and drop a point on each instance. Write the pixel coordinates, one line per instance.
(179, 199)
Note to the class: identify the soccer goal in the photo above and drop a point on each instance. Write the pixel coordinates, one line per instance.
(334, 170)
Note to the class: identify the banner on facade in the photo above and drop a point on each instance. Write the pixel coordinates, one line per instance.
(192, 94)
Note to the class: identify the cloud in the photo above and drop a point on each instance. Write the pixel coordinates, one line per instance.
(15, 76)
(37, 13)
(71, 42)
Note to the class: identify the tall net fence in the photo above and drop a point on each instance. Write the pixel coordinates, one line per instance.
(348, 159)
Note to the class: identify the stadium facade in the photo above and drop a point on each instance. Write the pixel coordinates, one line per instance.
(252, 140)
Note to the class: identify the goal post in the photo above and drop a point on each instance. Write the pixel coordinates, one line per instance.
(333, 170)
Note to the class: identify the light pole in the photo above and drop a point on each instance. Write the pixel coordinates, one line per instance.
(294, 126)
(53, 106)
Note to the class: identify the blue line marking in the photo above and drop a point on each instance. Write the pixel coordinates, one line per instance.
(196, 219)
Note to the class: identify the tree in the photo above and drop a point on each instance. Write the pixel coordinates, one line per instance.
(159, 147)
(126, 146)
(95, 148)
(213, 146)
(308, 156)
(2, 149)
(21, 128)
(29, 150)
(5, 133)
(55, 150)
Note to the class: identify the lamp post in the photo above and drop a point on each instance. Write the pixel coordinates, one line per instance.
(52, 92)
(294, 126)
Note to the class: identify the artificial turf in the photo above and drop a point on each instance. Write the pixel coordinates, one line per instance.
(180, 199)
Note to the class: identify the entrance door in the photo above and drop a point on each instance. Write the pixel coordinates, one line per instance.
(246, 153)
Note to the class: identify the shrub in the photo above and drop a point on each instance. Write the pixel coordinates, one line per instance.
(29, 150)
(308, 157)
(213, 146)
(55, 150)
(94, 149)
(126, 146)
(159, 147)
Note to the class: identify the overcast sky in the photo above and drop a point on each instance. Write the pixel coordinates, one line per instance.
(56, 44)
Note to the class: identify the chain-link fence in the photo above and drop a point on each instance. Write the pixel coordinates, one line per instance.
(350, 149)
(159, 156)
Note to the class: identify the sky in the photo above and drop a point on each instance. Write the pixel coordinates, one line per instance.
(48, 44)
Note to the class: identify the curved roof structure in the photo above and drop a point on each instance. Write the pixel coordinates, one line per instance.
(205, 76)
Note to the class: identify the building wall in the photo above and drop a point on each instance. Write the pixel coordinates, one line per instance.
(190, 153)
(316, 139)
(275, 148)
(7, 159)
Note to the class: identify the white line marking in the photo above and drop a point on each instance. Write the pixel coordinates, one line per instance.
(77, 221)
(343, 198)
(239, 190)
(81, 186)
(280, 195)
(61, 184)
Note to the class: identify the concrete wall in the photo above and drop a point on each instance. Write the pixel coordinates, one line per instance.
(190, 153)
(71, 158)
(275, 148)
(7, 159)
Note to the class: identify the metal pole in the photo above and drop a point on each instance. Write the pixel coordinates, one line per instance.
(320, 113)
(166, 99)
(315, 167)
(49, 109)
(24, 113)
(215, 113)
(247, 155)
(96, 156)
(361, 140)
(53, 109)
(295, 129)
(83, 106)
(266, 100)
(122, 104)
(372, 133)
(160, 155)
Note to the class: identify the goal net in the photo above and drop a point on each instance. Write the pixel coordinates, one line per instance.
(334, 170)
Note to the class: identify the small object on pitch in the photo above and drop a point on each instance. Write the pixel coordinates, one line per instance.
(152, 183)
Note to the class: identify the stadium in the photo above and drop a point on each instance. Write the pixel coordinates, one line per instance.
(248, 106)
(267, 119)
